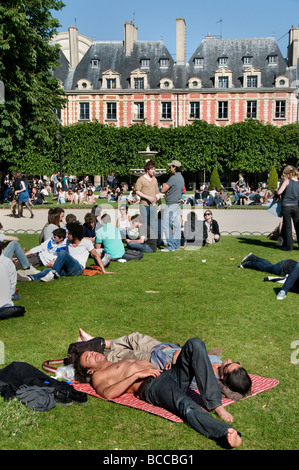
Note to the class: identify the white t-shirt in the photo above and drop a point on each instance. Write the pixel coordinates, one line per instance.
(8, 280)
(81, 252)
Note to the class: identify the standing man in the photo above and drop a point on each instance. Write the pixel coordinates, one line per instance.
(171, 223)
(147, 189)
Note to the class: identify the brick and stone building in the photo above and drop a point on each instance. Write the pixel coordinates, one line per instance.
(225, 80)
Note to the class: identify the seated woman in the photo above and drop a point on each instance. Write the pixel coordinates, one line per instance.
(70, 196)
(211, 233)
(61, 196)
(89, 197)
(123, 222)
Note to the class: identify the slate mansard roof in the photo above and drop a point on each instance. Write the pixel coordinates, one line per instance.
(111, 56)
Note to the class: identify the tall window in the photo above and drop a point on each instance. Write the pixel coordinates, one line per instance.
(223, 82)
(111, 83)
(138, 111)
(280, 109)
(139, 83)
(252, 81)
(194, 110)
(111, 111)
(84, 111)
(251, 109)
(166, 110)
(222, 110)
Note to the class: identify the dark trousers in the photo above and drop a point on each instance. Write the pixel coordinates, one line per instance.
(169, 390)
(289, 214)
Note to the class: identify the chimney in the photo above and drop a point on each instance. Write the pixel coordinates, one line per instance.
(180, 41)
(130, 37)
(293, 47)
(74, 49)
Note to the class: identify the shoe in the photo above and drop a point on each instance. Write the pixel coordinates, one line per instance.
(62, 398)
(15, 296)
(281, 295)
(78, 398)
(247, 258)
(48, 277)
(23, 278)
(166, 250)
(30, 270)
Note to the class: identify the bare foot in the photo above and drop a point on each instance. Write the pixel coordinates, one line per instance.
(233, 438)
(222, 413)
(84, 336)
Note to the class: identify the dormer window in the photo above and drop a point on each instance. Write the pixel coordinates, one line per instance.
(272, 59)
(84, 84)
(247, 60)
(145, 62)
(194, 82)
(252, 77)
(138, 79)
(164, 62)
(223, 60)
(223, 78)
(95, 63)
(198, 61)
(110, 80)
(166, 83)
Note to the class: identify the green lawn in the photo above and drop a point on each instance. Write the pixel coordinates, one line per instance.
(222, 304)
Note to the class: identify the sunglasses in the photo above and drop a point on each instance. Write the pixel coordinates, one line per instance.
(207, 213)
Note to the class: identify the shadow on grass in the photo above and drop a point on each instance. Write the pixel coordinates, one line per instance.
(257, 242)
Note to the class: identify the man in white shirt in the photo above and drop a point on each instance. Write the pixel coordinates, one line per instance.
(72, 261)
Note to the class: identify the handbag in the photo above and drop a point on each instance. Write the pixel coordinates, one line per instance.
(275, 208)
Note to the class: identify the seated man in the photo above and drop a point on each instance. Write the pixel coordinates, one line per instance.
(110, 237)
(42, 255)
(146, 241)
(166, 389)
(163, 355)
(8, 280)
(287, 267)
(72, 261)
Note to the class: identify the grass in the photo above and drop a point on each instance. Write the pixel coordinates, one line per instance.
(215, 300)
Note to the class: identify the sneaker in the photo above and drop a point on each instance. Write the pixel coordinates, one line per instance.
(281, 295)
(23, 278)
(30, 270)
(247, 258)
(62, 398)
(78, 398)
(166, 250)
(48, 277)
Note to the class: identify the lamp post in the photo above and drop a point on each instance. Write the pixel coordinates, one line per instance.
(59, 139)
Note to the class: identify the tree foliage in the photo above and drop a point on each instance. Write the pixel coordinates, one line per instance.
(27, 118)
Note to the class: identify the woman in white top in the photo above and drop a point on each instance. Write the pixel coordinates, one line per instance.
(123, 222)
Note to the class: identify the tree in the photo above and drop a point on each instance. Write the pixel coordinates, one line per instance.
(31, 92)
(215, 180)
(273, 179)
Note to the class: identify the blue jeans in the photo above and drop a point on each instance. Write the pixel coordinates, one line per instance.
(65, 265)
(172, 226)
(143, 247)
(168, 390)
(261, 264)
(291, 279)
(14, 249)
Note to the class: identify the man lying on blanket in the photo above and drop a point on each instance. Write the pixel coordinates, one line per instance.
(166, 388)
(233, 380)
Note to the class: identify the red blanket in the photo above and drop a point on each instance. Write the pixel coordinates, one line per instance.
(259, 384)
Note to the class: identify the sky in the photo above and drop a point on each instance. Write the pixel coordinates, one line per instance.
(156, 19)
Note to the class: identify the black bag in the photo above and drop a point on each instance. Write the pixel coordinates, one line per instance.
(132, 254)
(76, 349)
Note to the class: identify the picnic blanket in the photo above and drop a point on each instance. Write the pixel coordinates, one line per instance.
(259, 384)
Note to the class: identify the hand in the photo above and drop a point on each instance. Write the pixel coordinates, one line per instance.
(168, 366)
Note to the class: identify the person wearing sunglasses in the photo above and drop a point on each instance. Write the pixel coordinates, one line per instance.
(211, 232)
